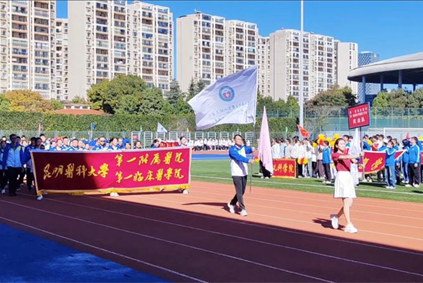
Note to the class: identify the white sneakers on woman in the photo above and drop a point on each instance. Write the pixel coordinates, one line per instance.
(335, 221)
(350, 229)
(335, 225)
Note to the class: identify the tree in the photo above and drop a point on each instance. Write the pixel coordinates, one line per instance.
(27, 101)
(111, 96)
(182, 107)
(200, 86)
(56, 104)
(79, 100)
(152, 102)
(192, 90)
(174, 93)
(4, 103)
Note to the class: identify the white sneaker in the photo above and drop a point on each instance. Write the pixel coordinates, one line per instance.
(370, 181)
(231, 208)
(416, 185)
(114, 194)
(335, 221)
(388, 187)
(267, 178)
(244, 212)
(350, 229)
(185, 192)
(408, 186)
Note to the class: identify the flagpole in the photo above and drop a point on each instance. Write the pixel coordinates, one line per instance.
(301, 96)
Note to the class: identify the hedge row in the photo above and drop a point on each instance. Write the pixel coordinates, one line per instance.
(119, 123)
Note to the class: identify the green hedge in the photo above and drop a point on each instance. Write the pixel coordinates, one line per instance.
(122, 123)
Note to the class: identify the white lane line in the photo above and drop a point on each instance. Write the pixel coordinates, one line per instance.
(174, 243)
(241, 238)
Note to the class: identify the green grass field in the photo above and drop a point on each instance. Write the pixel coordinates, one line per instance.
(218, 171)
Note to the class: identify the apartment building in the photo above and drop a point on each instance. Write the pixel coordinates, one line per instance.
(241, 40)
(150, 43)
(347, 59)
(264, 66)
(320, 63)
(107, 38)
(200, 40)
(97, 43)
(27, 46)
(62, 60)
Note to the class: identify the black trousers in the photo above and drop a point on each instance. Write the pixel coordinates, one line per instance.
(12, 176)
(328, 175)
(264, 171)
(413, 174)
(398, 173)
(240, 185)
(299, 169)
(3, 179)
(29, 178)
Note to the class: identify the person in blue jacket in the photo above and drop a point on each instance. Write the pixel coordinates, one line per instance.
(239, 169)
(3, 176)
(13, 161)
(405, 158)
(327, 152)
(414, 164)
(390, 166)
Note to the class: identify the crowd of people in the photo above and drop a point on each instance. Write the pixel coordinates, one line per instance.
(211, 144)
(16, 163)
(314, 158)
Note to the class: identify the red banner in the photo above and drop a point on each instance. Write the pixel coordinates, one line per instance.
(284, 168)
(359, 116)
(373, 162)
(303, 132)
(106, 172)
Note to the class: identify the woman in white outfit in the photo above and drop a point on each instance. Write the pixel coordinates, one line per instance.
(344, 184)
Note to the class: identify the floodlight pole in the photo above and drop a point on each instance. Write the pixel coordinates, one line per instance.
(301, 96)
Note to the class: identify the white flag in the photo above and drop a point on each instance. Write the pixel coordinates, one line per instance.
(160, 128)
(230, 100)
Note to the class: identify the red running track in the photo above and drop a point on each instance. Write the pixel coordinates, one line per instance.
(285, 238)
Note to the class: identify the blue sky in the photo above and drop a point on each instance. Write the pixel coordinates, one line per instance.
(390, 28)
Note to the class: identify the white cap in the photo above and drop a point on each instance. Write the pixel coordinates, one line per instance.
(385, 140)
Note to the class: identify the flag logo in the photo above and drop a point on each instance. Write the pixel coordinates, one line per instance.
(226, 93)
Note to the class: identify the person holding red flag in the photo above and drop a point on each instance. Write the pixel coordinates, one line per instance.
(344, 184)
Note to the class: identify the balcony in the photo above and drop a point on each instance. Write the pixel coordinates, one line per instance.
(41, 14)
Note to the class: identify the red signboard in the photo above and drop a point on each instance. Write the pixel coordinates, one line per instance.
(359, 116)
(106, 172)
(284, 168)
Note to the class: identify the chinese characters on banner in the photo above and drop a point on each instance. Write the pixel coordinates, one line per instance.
(118, 171)
(359, 116)
(372, 162)
(284, 168)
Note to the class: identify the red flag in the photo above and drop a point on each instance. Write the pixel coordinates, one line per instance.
(303, 132)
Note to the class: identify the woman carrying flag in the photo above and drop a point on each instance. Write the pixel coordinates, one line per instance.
(344, 184)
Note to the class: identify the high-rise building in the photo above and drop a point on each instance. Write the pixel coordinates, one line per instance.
(150, 38)
(97, 43)
(264, 66)
(27, 46)
(107, 38)
(62, 60)
(347, 59)
(320, 60)
(200, 40)
(209, 47)
(241, 40)
(365, 58)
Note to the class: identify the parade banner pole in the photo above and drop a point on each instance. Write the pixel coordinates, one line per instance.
(251, 164)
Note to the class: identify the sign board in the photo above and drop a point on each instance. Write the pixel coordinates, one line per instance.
(359, 116)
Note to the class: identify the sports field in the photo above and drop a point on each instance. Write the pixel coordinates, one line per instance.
(170, 236)
(218, 171)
